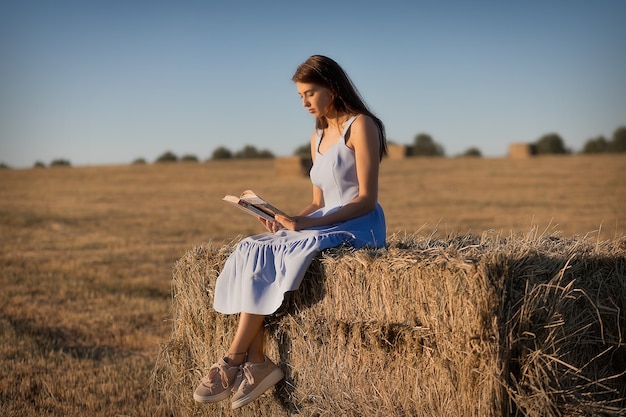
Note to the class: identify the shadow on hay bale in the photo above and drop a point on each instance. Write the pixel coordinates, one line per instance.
(467, 326)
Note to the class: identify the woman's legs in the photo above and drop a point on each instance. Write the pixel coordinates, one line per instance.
(257, 376)
(249, 339)
(259, 373)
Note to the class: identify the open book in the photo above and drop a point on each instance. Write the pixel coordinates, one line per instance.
(254, 205)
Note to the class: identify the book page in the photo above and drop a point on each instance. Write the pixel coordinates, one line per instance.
(254, 205)
(252, 198)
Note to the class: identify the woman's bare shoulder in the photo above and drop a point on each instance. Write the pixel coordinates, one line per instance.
(364, 128)
(365, 124)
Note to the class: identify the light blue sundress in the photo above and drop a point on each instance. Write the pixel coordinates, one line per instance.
(262, 268)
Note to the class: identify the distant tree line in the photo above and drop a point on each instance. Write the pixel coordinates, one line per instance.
(60, 162)
(247, 152)
(550, 143)
(423, 145)
(601, 145)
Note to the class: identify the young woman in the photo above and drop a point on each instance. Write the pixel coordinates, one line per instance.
(347, 147)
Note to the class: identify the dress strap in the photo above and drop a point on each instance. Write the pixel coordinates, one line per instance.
(348, 124)
(318, 139)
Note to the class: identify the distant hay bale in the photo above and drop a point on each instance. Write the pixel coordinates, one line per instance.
(293, 166)
(466, 326)
(397, 151)
(522, 150)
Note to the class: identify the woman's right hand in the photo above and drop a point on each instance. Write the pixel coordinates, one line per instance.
(271, 226)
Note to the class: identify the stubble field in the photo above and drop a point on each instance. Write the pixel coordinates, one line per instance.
(86, 253)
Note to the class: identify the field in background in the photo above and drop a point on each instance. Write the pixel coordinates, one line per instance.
(86, 253)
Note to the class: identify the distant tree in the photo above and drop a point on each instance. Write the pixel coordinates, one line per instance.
(139, 161)
(473, 152)
(167, 157)
(60, 163)
(618, 144)
(4, 166)
(424, 145)
(251, 152)
(266, 154)
(221, 153)
(303, 150)
(247, 151)
(189, 158)
(596, 145)
(551, 143)
(39, 164)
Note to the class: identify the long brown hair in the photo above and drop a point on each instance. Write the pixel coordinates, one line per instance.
(325, 72)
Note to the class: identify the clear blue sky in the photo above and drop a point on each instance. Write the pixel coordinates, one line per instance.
(105, 82)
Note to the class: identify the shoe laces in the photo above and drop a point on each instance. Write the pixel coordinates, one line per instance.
(213, 371)
(245, 374)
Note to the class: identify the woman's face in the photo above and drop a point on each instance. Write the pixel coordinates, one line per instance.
(315, 98)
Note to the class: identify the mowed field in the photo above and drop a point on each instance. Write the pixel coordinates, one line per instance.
(86, 253)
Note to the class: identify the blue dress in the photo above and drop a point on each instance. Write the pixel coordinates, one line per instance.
(262, 268)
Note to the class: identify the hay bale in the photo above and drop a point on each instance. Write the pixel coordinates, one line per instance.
(293, 166)
(468, 326)
(397, 151)
(522, 150)
(563, 336)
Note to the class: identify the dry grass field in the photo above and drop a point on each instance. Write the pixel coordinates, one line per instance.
(86, 253)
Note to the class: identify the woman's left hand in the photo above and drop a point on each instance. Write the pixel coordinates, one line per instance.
(294, 223)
